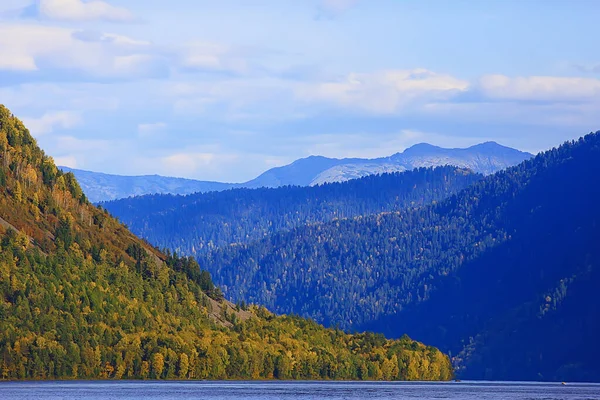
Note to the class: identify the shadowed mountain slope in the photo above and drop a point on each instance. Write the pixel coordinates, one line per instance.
(510, 261)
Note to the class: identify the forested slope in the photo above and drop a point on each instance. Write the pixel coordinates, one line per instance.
(484, 263)
(82, 297)
(198, 223)
(527, 309)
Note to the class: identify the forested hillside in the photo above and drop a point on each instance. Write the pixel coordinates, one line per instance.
(510, 261)
(82, 297)
(527, 309)
(198, 223)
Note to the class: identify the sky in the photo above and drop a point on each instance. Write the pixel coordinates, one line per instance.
(224, 90)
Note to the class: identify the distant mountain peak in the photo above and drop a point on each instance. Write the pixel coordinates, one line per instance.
(421, 148)
(491, 145)
(488, 143)
(494, 148)
(485, 158)
(313, 157)
(423, 145)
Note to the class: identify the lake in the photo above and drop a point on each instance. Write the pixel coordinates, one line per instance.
(294, 390)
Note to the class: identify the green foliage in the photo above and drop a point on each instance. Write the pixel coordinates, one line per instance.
(189, 266)
(65, 316)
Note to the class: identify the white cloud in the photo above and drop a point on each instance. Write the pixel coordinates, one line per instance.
(152, 129)
(235, 98)
(364, 144)
(71, 144)
(66, 161)
(41, 99)
(20, 45)
(195, 163)
(50, 121)
(31, 47)
(539, 88)
(86, 54)
(187, 161)
(83, 153)
(12, 60)
(580, 116)
(211, 57)
(385, 92)
(276, 99)
(78, 10)
(425, 92)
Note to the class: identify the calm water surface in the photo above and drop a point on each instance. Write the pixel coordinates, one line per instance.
(295, 390)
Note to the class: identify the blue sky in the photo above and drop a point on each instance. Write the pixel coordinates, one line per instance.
(223, 90)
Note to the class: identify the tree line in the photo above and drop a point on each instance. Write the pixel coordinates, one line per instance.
(198, 223)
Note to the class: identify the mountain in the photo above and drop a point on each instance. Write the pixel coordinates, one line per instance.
(82, 298)
(346, 172)
(199, 223)
(503, 274)
(301, 172)
(485, 158)
(99, 187)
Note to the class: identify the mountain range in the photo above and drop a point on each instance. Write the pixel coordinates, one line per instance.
(498, 270)
(502, 274)
(81, 297)
(201, 222)
(485, 158)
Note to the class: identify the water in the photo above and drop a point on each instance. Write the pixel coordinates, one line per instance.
(295, 390)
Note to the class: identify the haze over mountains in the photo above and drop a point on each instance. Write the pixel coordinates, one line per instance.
(485, 158)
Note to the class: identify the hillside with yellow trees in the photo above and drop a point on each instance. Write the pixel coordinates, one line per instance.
(83, 298)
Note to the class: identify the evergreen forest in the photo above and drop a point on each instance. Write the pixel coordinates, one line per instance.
(83, 298)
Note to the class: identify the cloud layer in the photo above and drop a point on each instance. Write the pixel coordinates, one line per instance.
(80, 11)
(50, 53)
(540, 88)
(386, 92)
(217, 92)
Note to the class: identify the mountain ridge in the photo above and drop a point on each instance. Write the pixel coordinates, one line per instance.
(197, 223)
(493, 262)
(484, 158)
